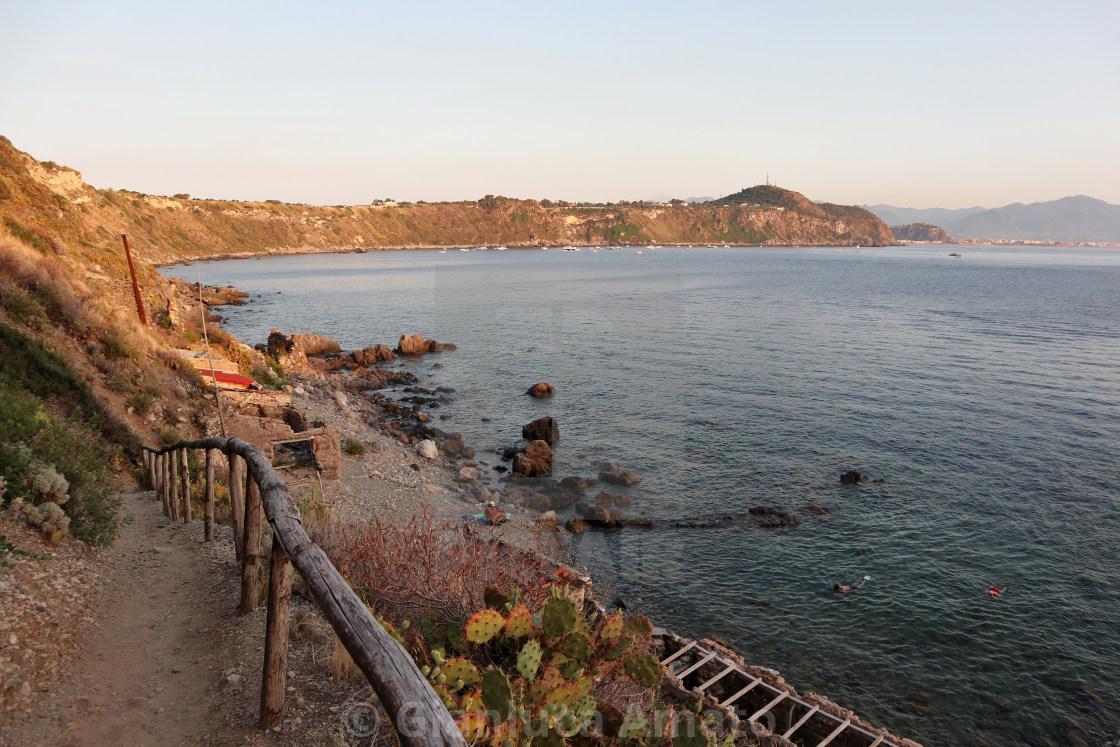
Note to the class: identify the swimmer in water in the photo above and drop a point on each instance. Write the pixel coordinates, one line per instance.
(995, 591)
(845, 588)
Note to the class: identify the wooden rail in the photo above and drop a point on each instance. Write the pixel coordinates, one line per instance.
(413, 707)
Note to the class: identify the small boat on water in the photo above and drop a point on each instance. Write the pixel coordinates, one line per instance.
(955, 254)
(499, 248)
(464, 249)
(637, 251)
(443, 251)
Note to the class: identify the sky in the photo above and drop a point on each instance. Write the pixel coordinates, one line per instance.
(948, 104)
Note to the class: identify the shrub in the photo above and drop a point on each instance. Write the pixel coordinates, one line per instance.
(21, 306)
(141, 402)
(354, 447)
(58, 467)
(114, 346)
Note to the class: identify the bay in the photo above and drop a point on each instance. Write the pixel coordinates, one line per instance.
(985, 390)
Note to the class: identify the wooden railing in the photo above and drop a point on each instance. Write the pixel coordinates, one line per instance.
(255, 488)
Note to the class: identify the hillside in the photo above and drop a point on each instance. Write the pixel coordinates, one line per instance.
(41, 202)
(1074, 219)
(920, 232)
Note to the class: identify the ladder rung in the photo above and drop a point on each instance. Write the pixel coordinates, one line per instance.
(696, 666)
(836, 732)
(758, 714)
(876, 742)
(740, 694)
(801, 721)
(721, 675)
(681, 652)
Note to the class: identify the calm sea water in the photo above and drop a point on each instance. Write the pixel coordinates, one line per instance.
(985, 390)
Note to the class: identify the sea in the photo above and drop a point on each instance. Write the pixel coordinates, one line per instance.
(983, 389)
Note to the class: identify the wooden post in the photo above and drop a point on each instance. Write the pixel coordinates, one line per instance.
(251, 565)
(237, 503)
(135, 287)
(161, 468)
(275, 676)
(173, 484)
(208, 520)
(187, 513)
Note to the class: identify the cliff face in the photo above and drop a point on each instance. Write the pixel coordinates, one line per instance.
(41, 203)
(920, 232)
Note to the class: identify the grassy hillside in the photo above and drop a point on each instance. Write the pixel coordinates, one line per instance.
(41, 203)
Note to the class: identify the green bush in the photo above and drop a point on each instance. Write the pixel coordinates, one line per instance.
(49, 459)
(114, 346)
(354, 447)
(141, 402)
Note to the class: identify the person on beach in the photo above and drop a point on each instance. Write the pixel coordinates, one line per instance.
(994, 591)
(845, 588)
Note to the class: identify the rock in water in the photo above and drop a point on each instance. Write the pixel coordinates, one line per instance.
(316, 344)
(543, 429)
(534, 460)
(541, 389)
(412, 345)
(854, 478)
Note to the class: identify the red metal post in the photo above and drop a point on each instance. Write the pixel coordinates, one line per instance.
(135, 286)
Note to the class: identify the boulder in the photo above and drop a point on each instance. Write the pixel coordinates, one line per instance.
(375, 354)
(622, 500)
(604, 499)
(575, 484)
(427, 449)
(434, 347)
(574, 525)
(607, 517)
(534, 460)
(768, 516)
(854, 478)
(467, 474)
(453, 444)
(312, 344)
(548, 519)
(615, 477)
(412, 345)
(541, 389)
(542, 429)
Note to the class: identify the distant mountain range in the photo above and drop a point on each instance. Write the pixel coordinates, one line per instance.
(1077, 218)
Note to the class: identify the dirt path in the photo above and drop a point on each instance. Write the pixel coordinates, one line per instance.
(146, 668)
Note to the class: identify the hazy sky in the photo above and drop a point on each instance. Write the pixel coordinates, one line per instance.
(947, 104)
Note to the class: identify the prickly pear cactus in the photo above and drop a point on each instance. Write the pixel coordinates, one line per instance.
(639, 627)
(567, 695)
(644, 669)
(460, 669)
(529, 660)
(472, 726)
(572, 670)
(519, 624)
(576, 646)
(612, 629)
(496, 692)
(558, 617)
(482, 626)
(633, 726)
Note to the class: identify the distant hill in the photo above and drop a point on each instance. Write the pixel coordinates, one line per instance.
(920, 232)
(1078, 218)
(42, 204)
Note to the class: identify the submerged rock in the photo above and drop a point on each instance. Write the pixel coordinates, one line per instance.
(542, 429)
(541, 389)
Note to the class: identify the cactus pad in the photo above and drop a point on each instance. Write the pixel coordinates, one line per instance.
(482, 626)
(552, 677)
(496, 692)
(472, 726)
(576, 646)
(567, 695)
(639, 627)
(529, 660)
(538, 691)
(571, 670)
(688, 732)
(645, 669)
(558, 617)
(612, 628)
(445, 696)
(460, 669)
(633, 726)
(519, 624)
